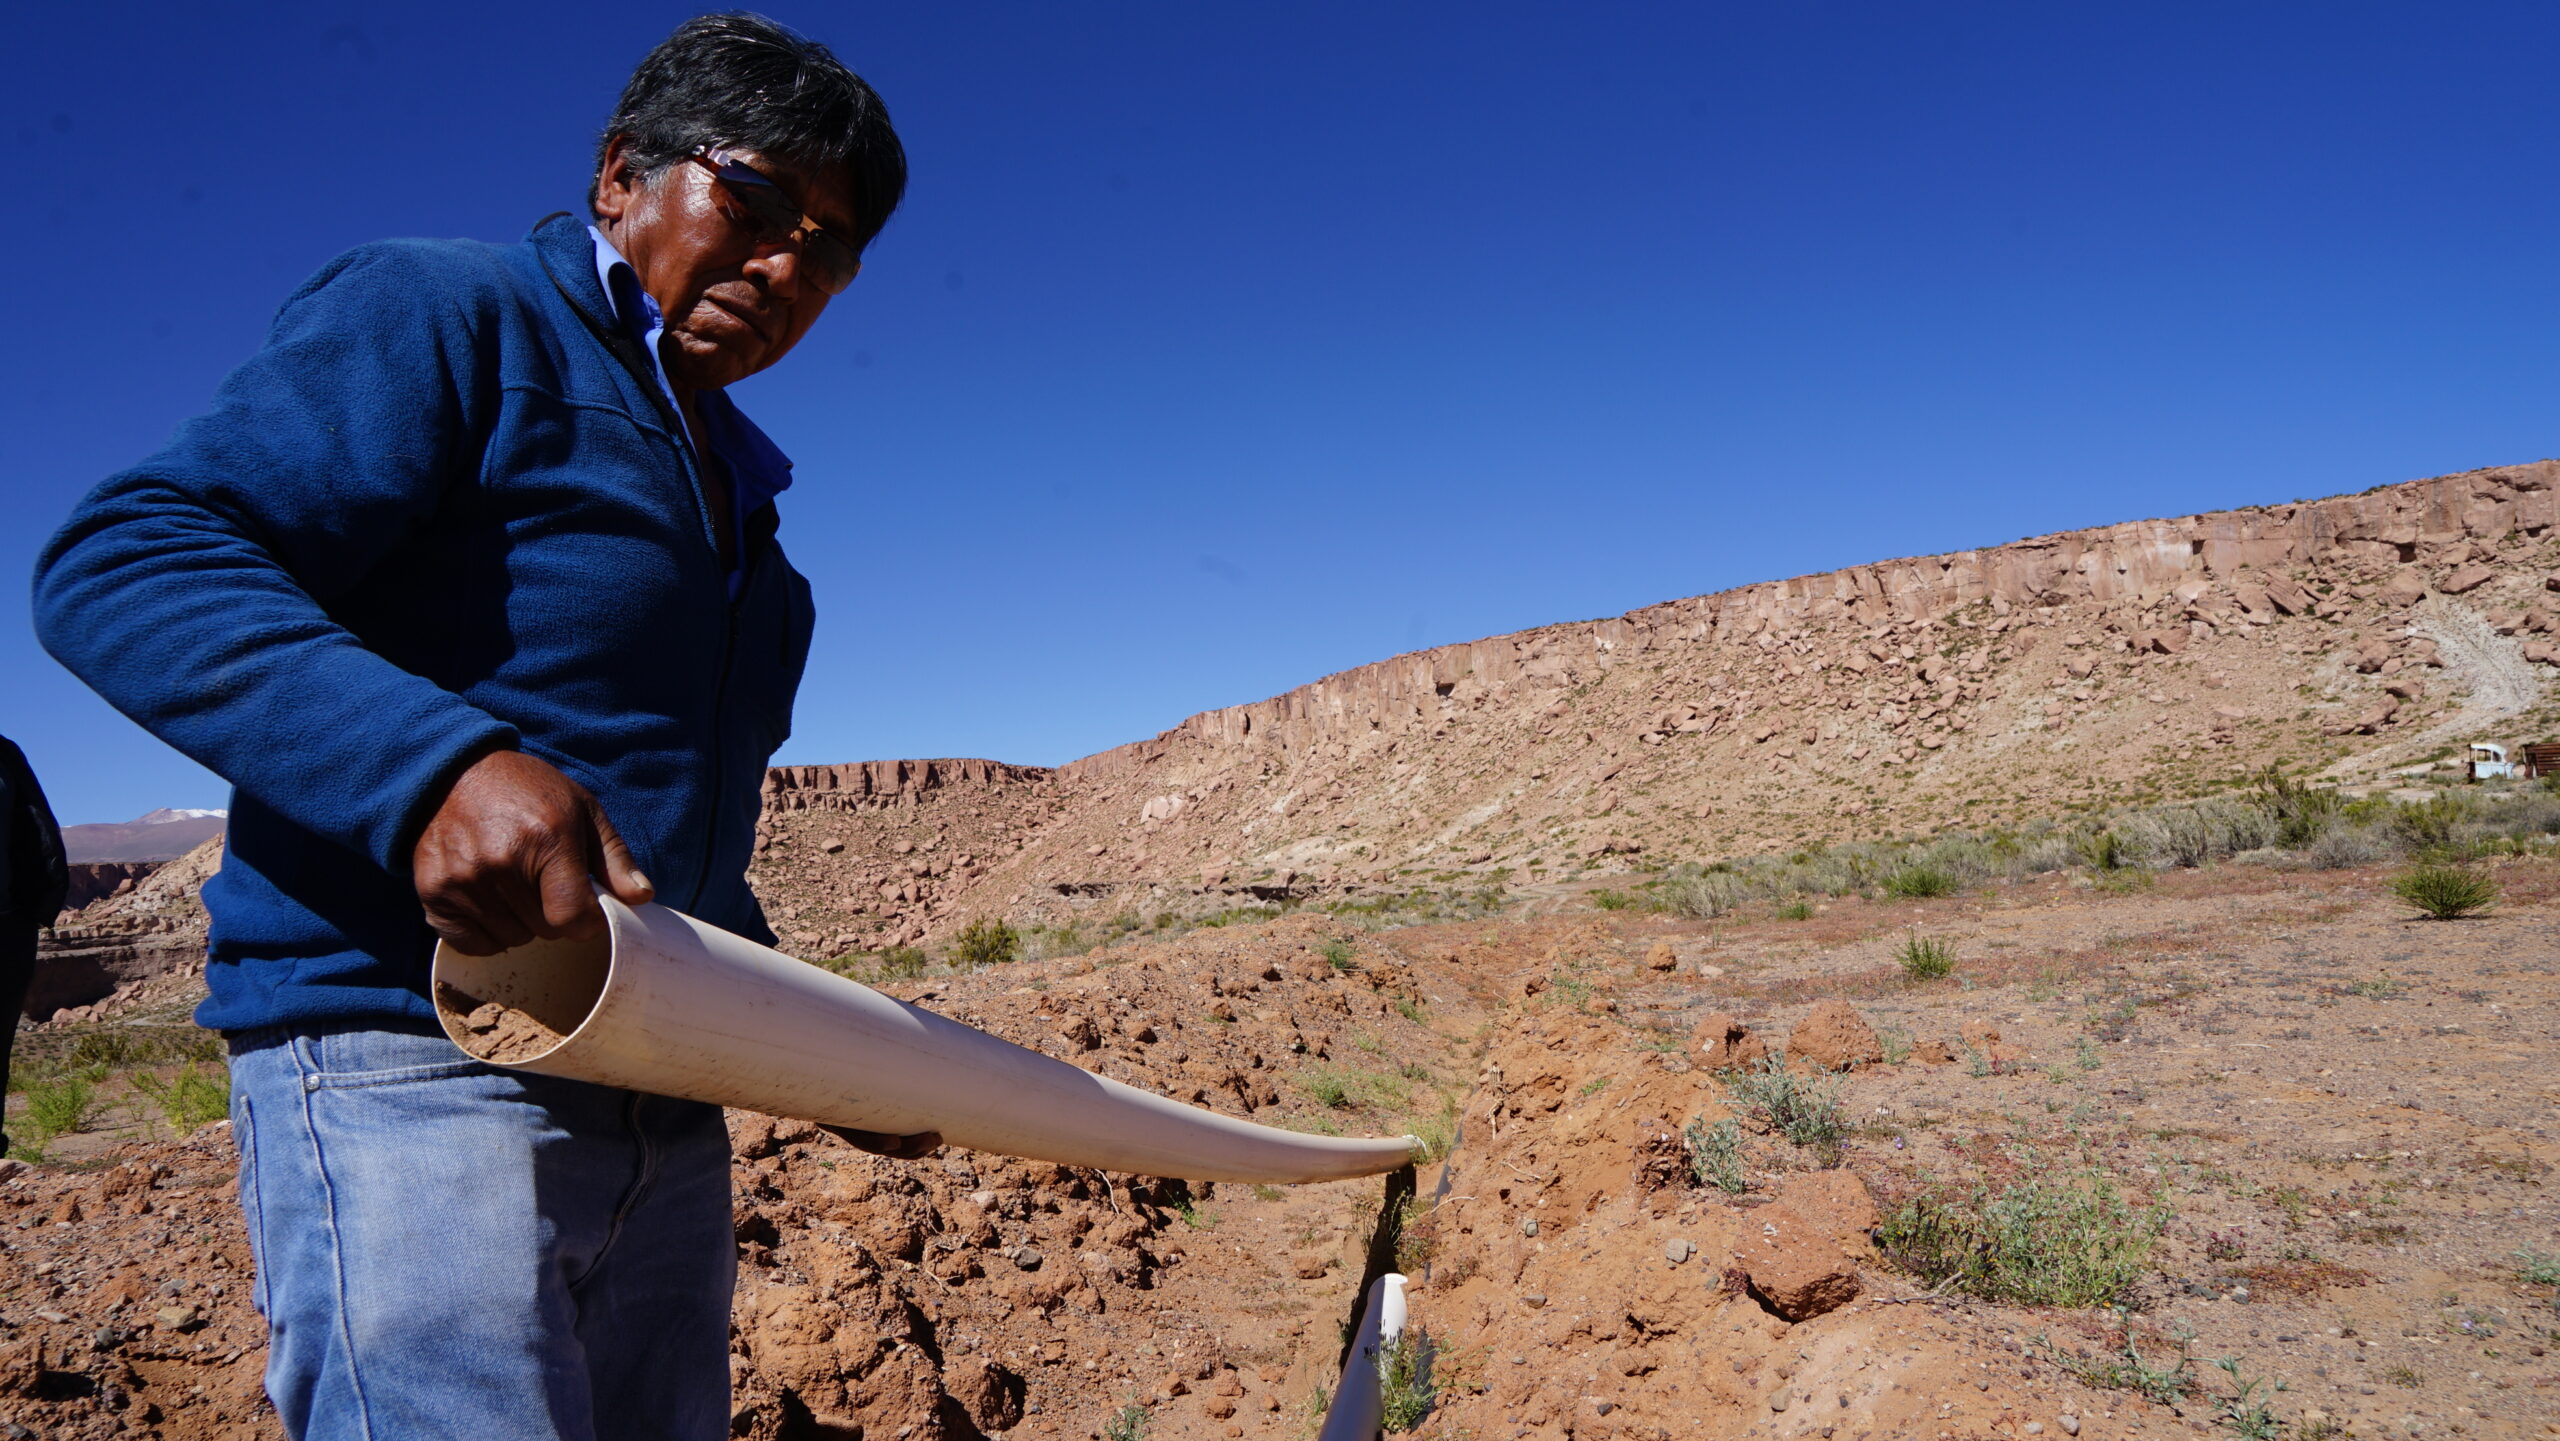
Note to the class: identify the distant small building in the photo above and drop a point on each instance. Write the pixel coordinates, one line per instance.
(2489, 762)
(2542, 758)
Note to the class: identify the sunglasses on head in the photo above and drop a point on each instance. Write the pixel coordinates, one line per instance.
(766, 212)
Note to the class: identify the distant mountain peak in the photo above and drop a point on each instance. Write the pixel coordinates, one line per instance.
(161, 835)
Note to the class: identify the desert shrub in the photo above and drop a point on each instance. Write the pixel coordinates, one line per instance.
(1913, 883)
(2429, 824)
(2145, 839)
(1804, 1109)
(2538, 1268)
(986, 941)
(1129, 1423)
(190, 1099)
(1851, 870)
(1405, 1388)
(2300, 810)
(2237, 826)
(1704, 894)
(2343, 846)
(2101, 850)
(1041, 943)
(2250, 1408)
(56, 1108)
(1715, 1154)
(102, 1051)
(2446, 893)
(2071, 1241)
(2533, 813)
(1609, 900)
(2128, 1369)
(1438, 1135)
(2045, 853)
(1962, 859)
(1337, 953)
(1339, 1088)
(1794, 911)
(1925, 958)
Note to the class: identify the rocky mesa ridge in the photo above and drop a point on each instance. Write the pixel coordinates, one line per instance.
(2356, 633)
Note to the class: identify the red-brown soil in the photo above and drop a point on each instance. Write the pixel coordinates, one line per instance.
(2343, 1113)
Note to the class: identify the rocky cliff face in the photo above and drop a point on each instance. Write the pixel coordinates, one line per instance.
(2355, 633)
(142, 939)
(96, 880)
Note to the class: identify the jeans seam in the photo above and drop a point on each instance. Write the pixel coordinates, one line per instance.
(253, 1204)
(307, 1075)
(646, 1175)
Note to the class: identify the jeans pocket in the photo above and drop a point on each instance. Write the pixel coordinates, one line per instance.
(342, 1060)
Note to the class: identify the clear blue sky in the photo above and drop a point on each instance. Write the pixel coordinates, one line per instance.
(1219, 347)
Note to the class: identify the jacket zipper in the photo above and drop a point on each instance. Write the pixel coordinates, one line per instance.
(621, 345)
(719, 765)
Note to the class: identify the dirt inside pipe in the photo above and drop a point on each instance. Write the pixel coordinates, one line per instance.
(495, 1031)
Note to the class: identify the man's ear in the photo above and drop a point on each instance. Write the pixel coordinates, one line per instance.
(614, 187)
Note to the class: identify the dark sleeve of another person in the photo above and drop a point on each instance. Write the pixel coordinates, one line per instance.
(36, 880)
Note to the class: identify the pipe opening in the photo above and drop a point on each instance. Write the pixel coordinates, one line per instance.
(522, 1004)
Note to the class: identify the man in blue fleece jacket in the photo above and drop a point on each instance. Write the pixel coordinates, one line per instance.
(469, 584)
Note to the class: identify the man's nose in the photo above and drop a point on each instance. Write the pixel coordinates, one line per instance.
(779, 265)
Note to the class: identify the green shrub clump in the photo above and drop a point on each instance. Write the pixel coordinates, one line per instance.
(1919, 883)
(2446, 893)
(190, 1099)
(987, 941)
(2045, 1242)
(1925, 958)
(1715, 1154)
(1406, 1390)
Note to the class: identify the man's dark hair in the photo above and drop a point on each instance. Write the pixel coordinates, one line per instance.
(742, 80)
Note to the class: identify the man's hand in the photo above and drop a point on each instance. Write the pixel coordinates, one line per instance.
(508, 855)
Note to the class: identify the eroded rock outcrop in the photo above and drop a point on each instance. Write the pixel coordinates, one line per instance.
(1972, 687)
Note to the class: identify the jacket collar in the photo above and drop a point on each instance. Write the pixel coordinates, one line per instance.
(567, 254)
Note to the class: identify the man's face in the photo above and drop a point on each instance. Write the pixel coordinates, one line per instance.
(732, 306)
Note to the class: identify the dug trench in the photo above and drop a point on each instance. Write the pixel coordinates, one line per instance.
(1729, 1178)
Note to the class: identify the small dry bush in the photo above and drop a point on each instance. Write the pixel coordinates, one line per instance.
(1703, 895)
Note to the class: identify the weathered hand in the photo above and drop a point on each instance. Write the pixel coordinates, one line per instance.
(508, 854)
(881, 1143)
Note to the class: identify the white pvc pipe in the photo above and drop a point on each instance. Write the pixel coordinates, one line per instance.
(1359, 1408)
(670, 1005)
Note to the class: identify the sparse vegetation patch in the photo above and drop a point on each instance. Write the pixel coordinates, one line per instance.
(2072, 1241)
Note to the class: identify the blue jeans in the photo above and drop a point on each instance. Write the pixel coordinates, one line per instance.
(450, 1250)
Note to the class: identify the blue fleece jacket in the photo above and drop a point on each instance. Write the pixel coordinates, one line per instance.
(444, 510)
